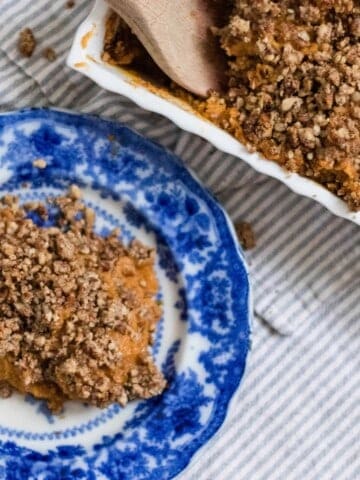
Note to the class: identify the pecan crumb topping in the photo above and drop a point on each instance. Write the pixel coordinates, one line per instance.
(77, 310)
(293, 90)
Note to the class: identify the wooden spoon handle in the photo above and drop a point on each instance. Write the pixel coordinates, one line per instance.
(177, 37)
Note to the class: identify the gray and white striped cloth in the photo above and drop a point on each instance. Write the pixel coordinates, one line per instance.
(297, 413)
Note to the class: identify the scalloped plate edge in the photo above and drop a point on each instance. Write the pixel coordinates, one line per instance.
(214, 430)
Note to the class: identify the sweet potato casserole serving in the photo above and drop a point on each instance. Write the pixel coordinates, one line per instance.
(293, 85)
(77, 310)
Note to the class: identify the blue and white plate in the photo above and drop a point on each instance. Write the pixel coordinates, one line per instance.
(201, 342)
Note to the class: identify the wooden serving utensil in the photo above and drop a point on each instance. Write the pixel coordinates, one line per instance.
(176, 34)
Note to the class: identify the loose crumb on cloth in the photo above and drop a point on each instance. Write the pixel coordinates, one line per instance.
(26, 42)
(50, 54)
(246, 235)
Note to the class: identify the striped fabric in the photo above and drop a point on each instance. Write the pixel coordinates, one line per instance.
(297, 414)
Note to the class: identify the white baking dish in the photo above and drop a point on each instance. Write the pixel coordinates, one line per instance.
(85, 57)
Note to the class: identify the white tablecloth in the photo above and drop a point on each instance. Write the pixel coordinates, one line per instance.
(297, 413)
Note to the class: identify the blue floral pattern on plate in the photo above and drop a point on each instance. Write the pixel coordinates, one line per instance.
(201, 343)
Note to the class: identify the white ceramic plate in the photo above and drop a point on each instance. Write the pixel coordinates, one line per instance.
(85, 57)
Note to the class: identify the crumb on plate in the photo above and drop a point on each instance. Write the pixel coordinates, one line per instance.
(40, 163)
